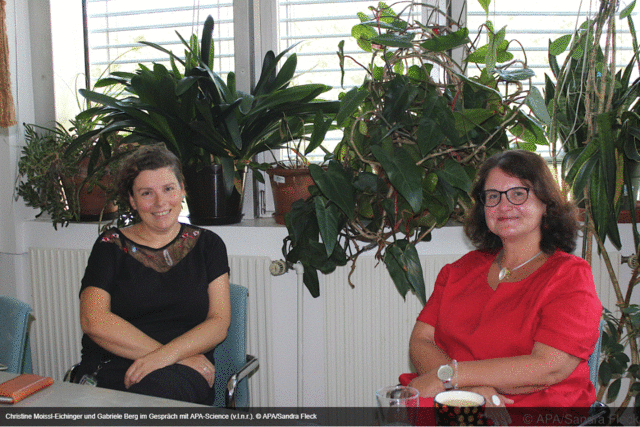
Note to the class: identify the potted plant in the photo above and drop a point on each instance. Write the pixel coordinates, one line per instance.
(289, 176)
(68, 181)
(215, 129)
(414, 133)
(594, 114)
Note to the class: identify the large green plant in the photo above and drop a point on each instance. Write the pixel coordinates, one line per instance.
(204, 119)
(594, 116)
(415, 132)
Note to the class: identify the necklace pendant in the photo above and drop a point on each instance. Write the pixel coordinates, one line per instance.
(504, 274)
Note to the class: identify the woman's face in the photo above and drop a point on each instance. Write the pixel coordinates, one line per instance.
(509, 221)
(157, 196)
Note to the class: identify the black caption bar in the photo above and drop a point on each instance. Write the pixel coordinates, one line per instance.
(211, 416)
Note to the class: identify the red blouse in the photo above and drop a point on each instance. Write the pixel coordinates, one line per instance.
(557, 305)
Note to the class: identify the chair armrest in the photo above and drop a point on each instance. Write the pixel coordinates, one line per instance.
(598, 415)
(250, 365)
(70, 375)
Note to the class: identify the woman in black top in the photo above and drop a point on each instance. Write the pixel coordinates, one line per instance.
(154, 300)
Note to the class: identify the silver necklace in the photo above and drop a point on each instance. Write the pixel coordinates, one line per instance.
(505, 273)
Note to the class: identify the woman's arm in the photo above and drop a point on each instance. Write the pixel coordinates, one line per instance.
(423, 351)
(542, 368)
(110, 331)
(120, 337)
(201, 339)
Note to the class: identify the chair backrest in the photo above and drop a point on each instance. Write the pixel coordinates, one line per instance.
(594, 359)
(15, 351)
(231, 354)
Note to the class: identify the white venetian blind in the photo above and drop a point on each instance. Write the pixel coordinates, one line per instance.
(115, 28)
(534, 23)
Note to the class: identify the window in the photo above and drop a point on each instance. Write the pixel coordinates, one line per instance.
(245, 29)
(115, 28)
(534, 24)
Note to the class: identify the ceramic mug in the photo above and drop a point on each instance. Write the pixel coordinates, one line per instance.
(459, 408)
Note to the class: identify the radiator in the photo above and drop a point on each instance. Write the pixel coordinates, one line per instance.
(367, 328)
(56, 334)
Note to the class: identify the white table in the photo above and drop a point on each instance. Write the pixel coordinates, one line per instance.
(62, 394)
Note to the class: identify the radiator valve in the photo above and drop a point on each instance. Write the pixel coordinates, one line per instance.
(631, 261)
(278, 267)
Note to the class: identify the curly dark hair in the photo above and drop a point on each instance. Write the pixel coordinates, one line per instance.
(560, 223)
(147, 157)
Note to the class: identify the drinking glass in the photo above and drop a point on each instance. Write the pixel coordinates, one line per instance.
(397, 405)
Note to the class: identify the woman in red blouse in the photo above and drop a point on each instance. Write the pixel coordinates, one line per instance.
(516, 319)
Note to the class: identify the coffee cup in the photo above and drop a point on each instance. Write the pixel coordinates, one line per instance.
(459, 408)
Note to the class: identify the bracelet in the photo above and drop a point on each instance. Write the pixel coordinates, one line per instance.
(454, 378)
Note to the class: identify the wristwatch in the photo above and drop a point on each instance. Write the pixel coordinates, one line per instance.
(445, 374)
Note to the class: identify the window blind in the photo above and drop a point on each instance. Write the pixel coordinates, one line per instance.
(533, 24)
(114, 29)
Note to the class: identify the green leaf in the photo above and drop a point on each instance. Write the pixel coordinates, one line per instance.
(614, 389)
(485, 5)
(403, 174)
(626, 12)
(604, 374)
(516, 75)
(559, 45)
(447, 42)
(454, 174)
(350, 104)
(310, 280)
(535, 101)
(335, 186)
(394, 40)
(403, 263)
(328, 216)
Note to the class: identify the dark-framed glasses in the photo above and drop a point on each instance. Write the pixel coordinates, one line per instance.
(515, 195)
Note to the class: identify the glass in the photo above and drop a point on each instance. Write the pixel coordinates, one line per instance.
(397, 405)
(515, 195)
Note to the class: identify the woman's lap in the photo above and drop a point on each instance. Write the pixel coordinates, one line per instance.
(177, 382)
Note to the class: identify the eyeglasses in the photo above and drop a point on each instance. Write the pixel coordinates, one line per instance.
(515, 195)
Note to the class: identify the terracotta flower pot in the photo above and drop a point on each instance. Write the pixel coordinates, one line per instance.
(93, 204)
(288, 185)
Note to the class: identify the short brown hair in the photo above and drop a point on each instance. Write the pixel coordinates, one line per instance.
(147, 157)
(559, 225)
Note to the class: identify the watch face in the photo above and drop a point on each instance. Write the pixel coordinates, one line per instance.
(445, 372)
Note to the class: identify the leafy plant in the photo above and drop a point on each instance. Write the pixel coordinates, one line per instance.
(204, 119)
(48, 165)
(593, 114)
(414, 133)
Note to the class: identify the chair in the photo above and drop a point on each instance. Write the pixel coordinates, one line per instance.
(594, 359)
(599, 411)
(15, 351)
(232, 362)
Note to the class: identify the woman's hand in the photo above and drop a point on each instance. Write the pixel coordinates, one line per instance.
(201, 364)
(143, 366)
(495, 408)
(428, 384)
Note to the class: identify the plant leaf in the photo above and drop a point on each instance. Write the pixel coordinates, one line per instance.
(403, 174)
(328, 217)
(335, 186)
(403, 263)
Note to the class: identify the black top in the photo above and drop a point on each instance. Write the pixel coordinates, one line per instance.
(163, 292)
